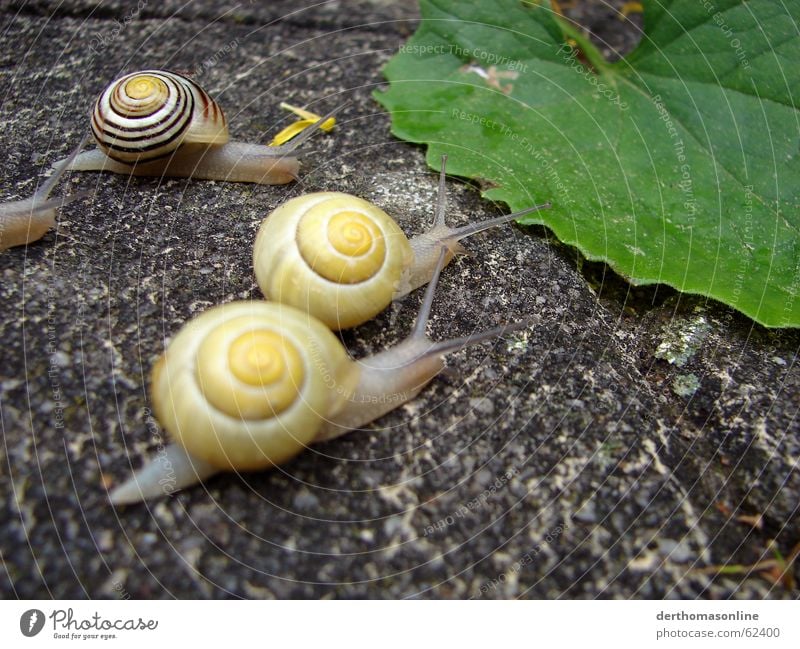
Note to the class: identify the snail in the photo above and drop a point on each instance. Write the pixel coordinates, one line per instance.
(28, 220)
(248, 385)
(344, 260)
(160, 123)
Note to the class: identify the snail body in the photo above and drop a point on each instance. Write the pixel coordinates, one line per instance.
(160, 123)
(248, 385)
(27, 220)
(344, 260)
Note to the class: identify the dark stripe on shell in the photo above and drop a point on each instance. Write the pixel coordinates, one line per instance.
(177, 113)
(179, 118)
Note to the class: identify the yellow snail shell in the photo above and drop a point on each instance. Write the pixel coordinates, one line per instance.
(333, 255)
(247, 385)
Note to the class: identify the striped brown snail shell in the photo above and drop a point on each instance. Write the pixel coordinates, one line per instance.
(161, 123)
(147, 115)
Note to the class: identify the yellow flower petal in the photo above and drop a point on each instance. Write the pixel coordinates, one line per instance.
(307, 114)
(631, 8)
(290, 131)
(295, 128)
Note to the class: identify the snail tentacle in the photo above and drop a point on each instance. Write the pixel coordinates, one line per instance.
(27, 220)
(293, 146)
(397, 375)
(426, 245)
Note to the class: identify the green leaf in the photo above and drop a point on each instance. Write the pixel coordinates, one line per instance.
(678, 164)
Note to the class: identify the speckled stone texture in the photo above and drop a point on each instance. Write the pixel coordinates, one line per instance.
(622, 447)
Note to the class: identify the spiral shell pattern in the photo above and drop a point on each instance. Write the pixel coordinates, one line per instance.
(332, 255)
(146, 115)
(247, 385)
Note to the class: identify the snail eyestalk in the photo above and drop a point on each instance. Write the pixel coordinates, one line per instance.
(26, 221)
(426, 246)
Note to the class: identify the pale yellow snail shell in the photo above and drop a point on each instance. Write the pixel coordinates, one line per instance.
(247, 385)
(333, 255)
